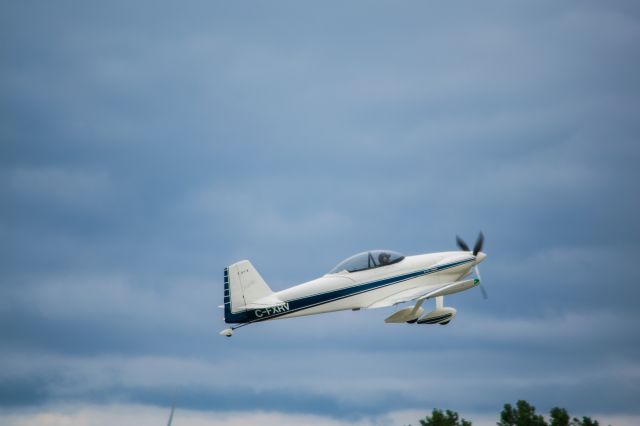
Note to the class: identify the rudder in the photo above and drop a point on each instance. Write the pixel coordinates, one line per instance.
(242, 286)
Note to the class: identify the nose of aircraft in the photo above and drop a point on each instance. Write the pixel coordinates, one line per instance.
(480, 257)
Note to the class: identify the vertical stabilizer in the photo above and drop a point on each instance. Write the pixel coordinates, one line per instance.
(242, 285)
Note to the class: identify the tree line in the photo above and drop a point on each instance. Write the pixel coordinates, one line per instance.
(523, 414)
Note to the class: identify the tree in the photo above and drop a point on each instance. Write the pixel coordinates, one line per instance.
(586, 421)
(447, 418)
(523, 415)
(559, 417)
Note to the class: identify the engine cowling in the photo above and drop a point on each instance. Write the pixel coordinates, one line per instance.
(440, 316)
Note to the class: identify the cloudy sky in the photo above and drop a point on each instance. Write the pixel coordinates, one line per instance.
(145, 146)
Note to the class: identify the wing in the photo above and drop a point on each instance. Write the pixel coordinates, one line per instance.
(424, 293)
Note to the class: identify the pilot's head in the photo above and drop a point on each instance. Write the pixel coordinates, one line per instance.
(383, 258)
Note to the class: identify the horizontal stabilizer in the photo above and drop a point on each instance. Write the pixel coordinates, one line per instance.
(265, 302)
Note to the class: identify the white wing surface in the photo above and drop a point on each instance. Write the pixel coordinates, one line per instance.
(424, 293)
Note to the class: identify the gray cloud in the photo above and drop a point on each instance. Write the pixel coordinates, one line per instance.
(144, 147)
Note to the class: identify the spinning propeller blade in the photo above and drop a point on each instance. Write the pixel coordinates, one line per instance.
(479, 242)
(477, 248)
(463, 246)
(485, 296)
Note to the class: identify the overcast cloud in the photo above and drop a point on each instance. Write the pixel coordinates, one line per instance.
(145, 146)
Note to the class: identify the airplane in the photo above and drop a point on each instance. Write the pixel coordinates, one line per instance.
(368, 280)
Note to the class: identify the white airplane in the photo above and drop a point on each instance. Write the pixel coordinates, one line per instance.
(373, 279)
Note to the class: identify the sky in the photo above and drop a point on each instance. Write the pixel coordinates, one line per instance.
(144, 146)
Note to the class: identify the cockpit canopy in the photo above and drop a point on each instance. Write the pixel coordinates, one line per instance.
(368, 260)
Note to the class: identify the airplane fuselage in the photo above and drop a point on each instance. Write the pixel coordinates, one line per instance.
(359, 289)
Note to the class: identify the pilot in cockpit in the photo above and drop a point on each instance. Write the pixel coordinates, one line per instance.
(384, 259)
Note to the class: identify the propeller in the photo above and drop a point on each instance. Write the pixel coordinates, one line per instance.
(479, 243)
(463, 246)
(477, 248)
(485, 296)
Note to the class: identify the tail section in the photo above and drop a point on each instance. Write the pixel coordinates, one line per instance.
(243, 285)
